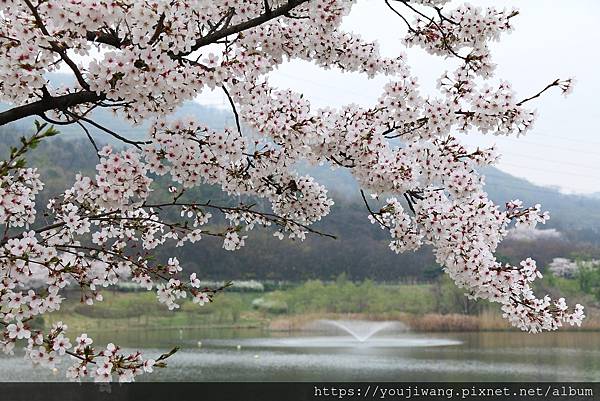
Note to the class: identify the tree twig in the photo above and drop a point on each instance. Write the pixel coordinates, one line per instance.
(235, 113)
(555, 83)
(108, 131)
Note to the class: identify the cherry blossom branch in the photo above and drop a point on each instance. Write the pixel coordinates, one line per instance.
(44, 117)
(73, 99)
(249, 24)
(410, 203)
(445, 39)
(375, 216)
(414, 126)
(158, 30)
(56, 47)
(106, 228)
(244, 209)
(87, 133)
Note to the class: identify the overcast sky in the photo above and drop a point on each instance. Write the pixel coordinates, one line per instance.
(552, 39)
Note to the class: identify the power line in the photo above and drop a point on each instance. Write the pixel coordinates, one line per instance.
(535, 188)
(570, 173)
(548, 135)
(551, 161)
(545, 145)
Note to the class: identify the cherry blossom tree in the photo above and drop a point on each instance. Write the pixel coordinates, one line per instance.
(143, 58)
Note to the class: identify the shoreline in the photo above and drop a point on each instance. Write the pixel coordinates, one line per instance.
(427, 323)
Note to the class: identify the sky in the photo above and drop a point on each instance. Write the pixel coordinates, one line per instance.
(552, 39)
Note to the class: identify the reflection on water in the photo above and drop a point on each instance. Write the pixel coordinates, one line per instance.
(252, 355)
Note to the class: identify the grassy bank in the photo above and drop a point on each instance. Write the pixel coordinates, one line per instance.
(430, 322)
(134, 310)
(438, 306)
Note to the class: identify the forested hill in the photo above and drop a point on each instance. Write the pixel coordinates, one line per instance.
(568, 212)
(361, 249)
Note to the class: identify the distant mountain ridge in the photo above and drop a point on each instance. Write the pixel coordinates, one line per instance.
(567, 212)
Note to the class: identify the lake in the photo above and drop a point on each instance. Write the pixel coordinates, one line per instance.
(264, 356)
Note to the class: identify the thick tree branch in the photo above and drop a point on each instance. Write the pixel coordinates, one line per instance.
(43, 105)
(159, 29)
(107, 39)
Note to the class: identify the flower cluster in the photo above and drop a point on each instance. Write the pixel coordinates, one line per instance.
(17, 197)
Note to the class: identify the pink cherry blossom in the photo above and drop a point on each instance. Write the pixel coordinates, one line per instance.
(147, 57)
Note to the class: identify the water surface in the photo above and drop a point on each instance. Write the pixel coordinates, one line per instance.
(253, 355)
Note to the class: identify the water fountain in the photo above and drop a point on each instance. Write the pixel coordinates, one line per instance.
(361, 330)
(358, 334)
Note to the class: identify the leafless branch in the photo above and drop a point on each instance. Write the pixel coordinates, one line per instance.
(233, 108)
(410, 28)
(555, 83)
(108, 131)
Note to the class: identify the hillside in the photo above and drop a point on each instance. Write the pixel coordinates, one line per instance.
(361, 250)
